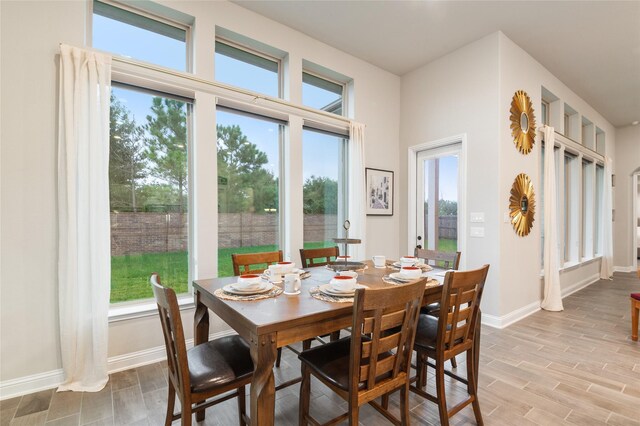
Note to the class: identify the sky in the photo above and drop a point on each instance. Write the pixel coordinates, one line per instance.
(320, 151)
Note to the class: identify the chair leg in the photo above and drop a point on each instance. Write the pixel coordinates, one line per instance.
(305, 395)
(635, 311)
(171, 401)
(279, 357)
(334, 336)
(454, 363)
(185, 420)
(422, 370)
(441, 394)
(354, 414)
(306, 344)
(384, 401)
(404, 404)
(472, 386)
(242, 405)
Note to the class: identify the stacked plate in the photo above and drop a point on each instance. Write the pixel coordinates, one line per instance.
(422, 266)
(260, 288)
(330, 290)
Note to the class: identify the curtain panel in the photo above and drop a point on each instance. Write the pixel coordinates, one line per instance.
(357, 215)
(84, 253)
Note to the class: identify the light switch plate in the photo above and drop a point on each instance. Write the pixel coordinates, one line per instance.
(476, 217)
(476, 231)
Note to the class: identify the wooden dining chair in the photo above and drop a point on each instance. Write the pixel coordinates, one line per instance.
(254, 263)
(451, 334)
(318, 256)
(446, 260)
(204, 371)
(374, 361)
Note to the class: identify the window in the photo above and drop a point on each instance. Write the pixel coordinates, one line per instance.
(598, 210)
(322, 94)
(247, 69)
(571, 208)
(587, 209)
(544, 112)
(324, 193)
(138, 36)
(248, 185)
(148, 192)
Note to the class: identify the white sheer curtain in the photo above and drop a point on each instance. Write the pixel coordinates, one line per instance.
(84, 257)
(357, 215)
(552, 295)
(605, 230)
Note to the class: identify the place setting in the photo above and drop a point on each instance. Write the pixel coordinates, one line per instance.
(408, 274)
(340, 289)
(404, 262)
(249, 287)
(275, 273)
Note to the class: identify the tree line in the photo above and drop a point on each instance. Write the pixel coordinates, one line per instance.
(148, 166)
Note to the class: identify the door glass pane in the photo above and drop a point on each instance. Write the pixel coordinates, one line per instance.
(248, 186)
(244, 69)
(126, 33)
(148, 193)
(324, 190)
(439, 187)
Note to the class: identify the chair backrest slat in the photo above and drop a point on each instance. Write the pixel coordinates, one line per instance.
(461, 295)
(383, 331)
(318, 257)
(448, 260)
(254, 263)
(178, 369)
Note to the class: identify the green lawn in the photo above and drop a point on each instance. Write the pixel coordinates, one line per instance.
(130, 273)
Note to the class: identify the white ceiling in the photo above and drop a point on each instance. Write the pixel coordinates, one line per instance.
(591, 46)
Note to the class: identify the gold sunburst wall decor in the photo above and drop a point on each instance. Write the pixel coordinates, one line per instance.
(522, 205)
(523, 122)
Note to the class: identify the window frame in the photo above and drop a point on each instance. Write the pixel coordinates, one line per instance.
(342, 84)
(189, 45)
(254, 52)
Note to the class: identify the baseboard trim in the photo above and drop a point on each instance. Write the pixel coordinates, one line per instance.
(523, 312)
(623, 268)
(52, 379)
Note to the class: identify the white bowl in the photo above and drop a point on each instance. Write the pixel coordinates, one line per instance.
(286, 267)
(352, 274)
(408, 260)
(248, 281)
(410, 272)
(343, 283)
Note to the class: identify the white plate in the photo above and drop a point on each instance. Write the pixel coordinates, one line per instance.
(328, 289)
(422, 266)
(263, 288)
(267, 273)
(399, 276)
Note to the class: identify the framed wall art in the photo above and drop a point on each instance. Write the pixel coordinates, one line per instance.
(379, 187)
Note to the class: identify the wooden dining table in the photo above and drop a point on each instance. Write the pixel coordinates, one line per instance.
(269, 324)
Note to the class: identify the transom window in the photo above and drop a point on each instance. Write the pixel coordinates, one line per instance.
(138, 36)
(249, 70)
(321, 93)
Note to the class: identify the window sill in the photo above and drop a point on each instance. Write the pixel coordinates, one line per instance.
(144, 308)
(570, 266)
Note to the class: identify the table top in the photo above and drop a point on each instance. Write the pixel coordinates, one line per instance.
(265, 315)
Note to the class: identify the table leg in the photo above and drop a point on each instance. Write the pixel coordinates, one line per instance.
(263, 390)
(200, 332)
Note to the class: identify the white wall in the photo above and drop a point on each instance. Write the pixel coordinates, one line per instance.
(458, 94)
(31, 33)
(627, 161)
(520, 256)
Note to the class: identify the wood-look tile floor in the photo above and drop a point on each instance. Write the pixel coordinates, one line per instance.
(576, 367)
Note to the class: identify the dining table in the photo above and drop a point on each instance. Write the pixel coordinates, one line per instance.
(271, 323)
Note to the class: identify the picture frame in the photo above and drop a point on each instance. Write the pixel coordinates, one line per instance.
(379, 186)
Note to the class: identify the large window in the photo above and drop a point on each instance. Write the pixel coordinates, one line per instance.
(324, 169)
(248, 185)
(247, 69)
(571, 208)
(597, 245)
(321, 93)
(587, 209)
(132, 34)
(148, 192)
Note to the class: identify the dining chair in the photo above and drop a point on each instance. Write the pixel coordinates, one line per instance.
(374, 361)
(318, 256)
(635, 312)
(204, 371)
(245, 263)
(448, 260)
(451, 334)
